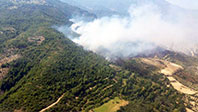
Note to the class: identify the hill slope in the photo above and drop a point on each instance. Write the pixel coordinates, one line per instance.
(39, 66)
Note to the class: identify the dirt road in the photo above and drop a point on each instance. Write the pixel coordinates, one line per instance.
(50, 106)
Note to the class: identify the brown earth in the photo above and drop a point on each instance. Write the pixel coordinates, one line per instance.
(169, 69)
(37, 39)
(4, 71)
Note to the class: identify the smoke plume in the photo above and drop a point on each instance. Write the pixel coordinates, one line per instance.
(148, 26)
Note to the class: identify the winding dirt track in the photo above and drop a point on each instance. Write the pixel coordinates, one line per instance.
(50, 106)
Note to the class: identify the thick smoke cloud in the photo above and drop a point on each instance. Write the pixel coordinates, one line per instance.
(148, 26)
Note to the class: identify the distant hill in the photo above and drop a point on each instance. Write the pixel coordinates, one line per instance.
(38, 2)
(114, 7)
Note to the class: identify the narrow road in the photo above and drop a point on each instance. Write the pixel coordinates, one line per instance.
(53, 104)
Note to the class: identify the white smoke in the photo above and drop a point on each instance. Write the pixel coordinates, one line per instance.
(147, 27)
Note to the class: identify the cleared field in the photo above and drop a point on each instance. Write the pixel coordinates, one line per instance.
(111, 106)
(168, 69)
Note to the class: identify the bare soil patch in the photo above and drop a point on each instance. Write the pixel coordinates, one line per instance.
(4, 71)
(37, 39)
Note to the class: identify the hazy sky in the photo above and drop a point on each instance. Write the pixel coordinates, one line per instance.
(189, 4)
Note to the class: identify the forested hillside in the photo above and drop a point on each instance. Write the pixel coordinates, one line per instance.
(39, 65)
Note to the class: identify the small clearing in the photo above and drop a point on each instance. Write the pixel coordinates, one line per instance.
(9, 59)
(112, 106)
(4, 71)
(116, 68)
(37, 39)
(154, 62)
(10, 29)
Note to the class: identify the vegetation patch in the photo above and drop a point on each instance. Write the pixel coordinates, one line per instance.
(112, 106)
